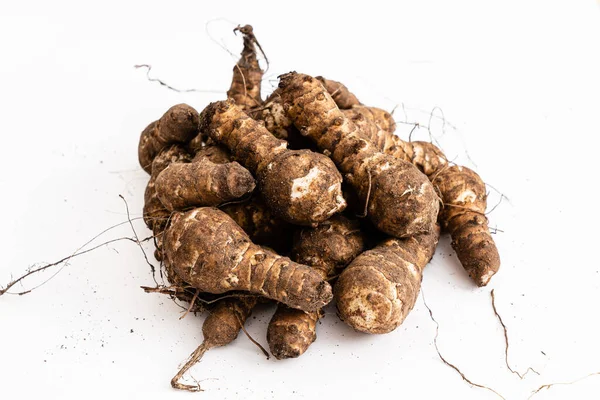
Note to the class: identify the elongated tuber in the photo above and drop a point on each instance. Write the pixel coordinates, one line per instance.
(247, 74)
(220, 328)
(258, 221)
(210, 251)
(301, 187)
(327, 248)
(398, 198)
(202, 182)
(178, 125)
(375, 293)
(462, 191)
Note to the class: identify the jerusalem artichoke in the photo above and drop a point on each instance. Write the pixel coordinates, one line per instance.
(301, 187)
(327, 248)
(398, 198)
(375, 293)
(211, 252)
(178, 125)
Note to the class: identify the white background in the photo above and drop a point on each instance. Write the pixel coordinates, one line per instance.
(518, 83)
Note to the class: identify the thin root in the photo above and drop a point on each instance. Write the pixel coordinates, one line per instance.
(191, 304)
(462, 375)
(549, 385)
(194, 358)
(162, 83)
(265, 352)
(521, 376)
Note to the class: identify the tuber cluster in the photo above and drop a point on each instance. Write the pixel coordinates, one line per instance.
(246, 205)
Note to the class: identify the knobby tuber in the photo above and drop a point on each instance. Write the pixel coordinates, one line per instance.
(155, 213)
(398, 198)
(340, 93)
(375, 293)
(327, 248)
(300, 186)
(247, 74)
(212, 253)
(258, 221)
(203, 182)
(220, 328)
(462, 191)
(178, 125)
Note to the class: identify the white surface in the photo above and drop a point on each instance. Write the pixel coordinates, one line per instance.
(520, 82)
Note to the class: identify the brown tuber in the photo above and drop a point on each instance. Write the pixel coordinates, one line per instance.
(178, 125)
(247, 74)
(203, 182)
(220, 328)
(461, 189)
(375, 293)
(327, 248)
(207, 249)
(300, 186)
(398, 198)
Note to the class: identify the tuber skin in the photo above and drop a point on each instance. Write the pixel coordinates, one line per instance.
(327, 248)
(247, 74)
(299, 186)
(462, 191)
(340, 93)
(207, 249)
(203, 182)
(220, 328)
(258, 221)
(155, 214)
(178, 125)
(375, 293)
(398, 198)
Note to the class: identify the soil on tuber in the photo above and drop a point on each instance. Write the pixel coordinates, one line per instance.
(327, 248)
(209, 180)
(299, 186)
(247, 74)
(178, 125)
(375, 293)
(207, 249)
(463, 192)
(220, 328)
(398, 198)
